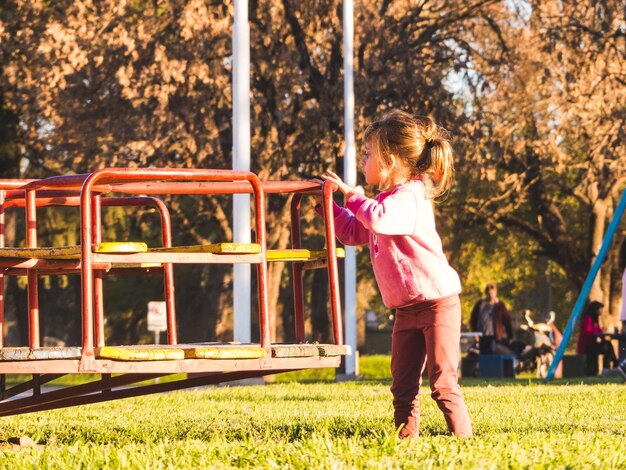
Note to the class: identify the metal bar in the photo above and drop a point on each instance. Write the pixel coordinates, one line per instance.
(241, 161)
(262, 283)
(106, 382)
(350, 177)
(36, 385)
(32, 277)
(106, 366)
(98, 290)
(584, 293)
(25, 386)
(333, 270)
(87, 362)
(168, 273)
(296, 270)
(2, 292)
(57, 196)
(177, 257)
(142, 390)
(27, 403)
(14, 183)
(23, 264)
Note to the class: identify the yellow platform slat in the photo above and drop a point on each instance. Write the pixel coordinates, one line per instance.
(121, 247)
(141, 353)
(224, 351)
(221, 248)
(300, 254)
(154, 352)
(71, 252)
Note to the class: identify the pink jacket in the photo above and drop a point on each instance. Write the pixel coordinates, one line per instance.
(585, 336)
(405, 249)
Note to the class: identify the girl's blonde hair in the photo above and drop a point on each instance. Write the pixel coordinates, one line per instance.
(420, 145)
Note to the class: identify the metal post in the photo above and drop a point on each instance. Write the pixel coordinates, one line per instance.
(241, 161)
(31, 274)
(349, 173)
(2, 226)
(584, 293)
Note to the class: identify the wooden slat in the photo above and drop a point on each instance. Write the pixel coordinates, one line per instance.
(294, 350)
(46, 353)
(221, 248)
(224, 351)
(329, 350)
(64, 252)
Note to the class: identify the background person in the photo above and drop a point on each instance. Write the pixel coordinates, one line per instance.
(622, 268)
(622, 316)
(491, 317)
(592, 345)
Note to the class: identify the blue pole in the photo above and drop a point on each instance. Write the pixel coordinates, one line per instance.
(584, 293)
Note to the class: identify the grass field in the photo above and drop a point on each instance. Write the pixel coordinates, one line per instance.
(316, 423)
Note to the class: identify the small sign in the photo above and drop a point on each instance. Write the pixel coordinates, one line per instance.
(157, 316)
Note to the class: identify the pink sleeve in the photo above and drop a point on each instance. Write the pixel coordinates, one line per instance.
(348, 229)
(394, 215)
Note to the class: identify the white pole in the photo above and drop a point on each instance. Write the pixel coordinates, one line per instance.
(241, 161)
(349, 171)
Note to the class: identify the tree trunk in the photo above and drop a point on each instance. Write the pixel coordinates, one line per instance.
(597, 226)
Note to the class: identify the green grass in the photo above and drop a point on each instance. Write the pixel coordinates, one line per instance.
(317, 424)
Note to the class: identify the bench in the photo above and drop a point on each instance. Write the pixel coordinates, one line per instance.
(574, 365)
(496, 365)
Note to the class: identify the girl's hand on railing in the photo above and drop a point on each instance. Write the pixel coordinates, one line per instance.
(347, 190)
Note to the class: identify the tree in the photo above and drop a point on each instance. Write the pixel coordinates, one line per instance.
(124, 83)
(547, 118)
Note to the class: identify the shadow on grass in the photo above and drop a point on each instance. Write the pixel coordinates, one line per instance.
(474, 381)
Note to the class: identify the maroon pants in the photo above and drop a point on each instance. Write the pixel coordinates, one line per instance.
(428, 333)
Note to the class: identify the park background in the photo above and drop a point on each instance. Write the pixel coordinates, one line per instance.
(533, 94)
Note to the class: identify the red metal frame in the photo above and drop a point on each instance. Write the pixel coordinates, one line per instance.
(62, 190)
(331, 264)
(16, 198)
(173, 177)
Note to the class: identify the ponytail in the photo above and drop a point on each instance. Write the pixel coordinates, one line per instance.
(440, 168)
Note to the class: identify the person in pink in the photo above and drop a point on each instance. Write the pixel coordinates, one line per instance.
(410, 160)
(592, 345)
(622, 268)
(622, 316)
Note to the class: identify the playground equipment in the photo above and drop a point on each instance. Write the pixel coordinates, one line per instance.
(121, 368)
(584, 293)
(539, 353)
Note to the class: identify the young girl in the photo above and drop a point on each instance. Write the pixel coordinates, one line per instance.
(410, 160)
